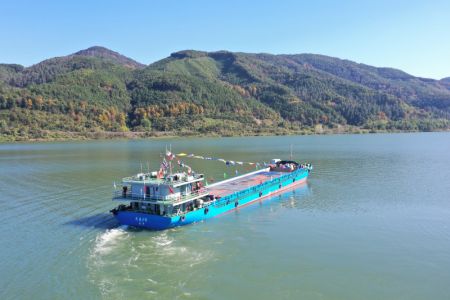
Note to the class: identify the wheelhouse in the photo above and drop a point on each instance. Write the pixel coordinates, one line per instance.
(165, 195)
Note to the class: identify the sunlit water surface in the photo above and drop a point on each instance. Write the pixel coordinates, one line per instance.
(372, 223)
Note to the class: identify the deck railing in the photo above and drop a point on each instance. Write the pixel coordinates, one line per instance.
(147, 178)
(120, 195)
(244, 193)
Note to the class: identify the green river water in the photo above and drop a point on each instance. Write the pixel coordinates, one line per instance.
(372, 223)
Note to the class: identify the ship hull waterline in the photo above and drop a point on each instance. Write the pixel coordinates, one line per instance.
(157, 222)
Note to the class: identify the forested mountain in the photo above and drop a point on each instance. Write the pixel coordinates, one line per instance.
(191, 92)
(445, 82)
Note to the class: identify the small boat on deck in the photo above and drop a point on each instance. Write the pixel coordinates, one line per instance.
(162, 199)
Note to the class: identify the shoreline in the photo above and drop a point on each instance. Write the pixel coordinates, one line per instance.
(62, 136)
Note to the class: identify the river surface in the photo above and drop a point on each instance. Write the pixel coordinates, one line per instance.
(372, 223)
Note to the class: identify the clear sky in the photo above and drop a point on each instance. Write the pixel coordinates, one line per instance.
(410, 35)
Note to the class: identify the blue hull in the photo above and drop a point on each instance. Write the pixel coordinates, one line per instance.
(225, 204)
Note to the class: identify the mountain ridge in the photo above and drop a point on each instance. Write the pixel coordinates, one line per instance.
(218, 92)
(102, 52)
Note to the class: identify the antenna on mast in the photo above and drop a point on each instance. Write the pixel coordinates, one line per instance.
(171, 157)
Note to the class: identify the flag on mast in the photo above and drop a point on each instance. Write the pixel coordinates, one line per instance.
(170, 155)
(164, 164)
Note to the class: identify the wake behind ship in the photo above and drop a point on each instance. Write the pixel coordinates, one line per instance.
(162, 199)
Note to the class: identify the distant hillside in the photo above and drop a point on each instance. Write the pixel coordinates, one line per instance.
(94, 58)
(114, 57)
(445, 82)
(225, 93)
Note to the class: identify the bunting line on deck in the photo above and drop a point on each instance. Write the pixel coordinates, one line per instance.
(225, 161)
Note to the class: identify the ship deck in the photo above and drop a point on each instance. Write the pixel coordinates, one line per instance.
(233, 185)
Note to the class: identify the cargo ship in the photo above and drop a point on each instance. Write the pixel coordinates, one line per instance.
(164, 199)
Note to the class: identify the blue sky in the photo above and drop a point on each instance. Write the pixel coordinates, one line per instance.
(410, 35)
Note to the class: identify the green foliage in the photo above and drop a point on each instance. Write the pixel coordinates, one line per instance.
(103, 88)
(9, 72)
(223, 93)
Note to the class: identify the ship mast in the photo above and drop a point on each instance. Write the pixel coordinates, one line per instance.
(170, 160)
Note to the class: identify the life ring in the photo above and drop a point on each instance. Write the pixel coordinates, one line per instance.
(236, 204)
(206, 210)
